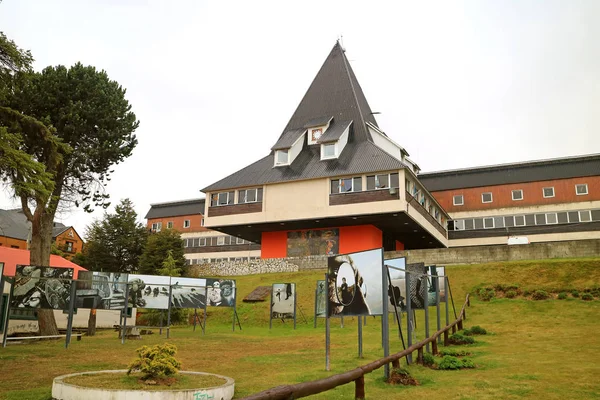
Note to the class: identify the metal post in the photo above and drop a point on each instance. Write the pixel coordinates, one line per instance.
(451, 298)
(446, 300)
(385, 330)
(409, 316)
(124, 327)
(360, 346)
(204, 312)
(316, 299)
(10, 294)
(161, 322)
(271, 308)
(195, 318)
(437, 307)
(234, 311)
(70, 315)
(327, 327)
(294, 306)
(426, 305)
(169, 312)
(342, 321)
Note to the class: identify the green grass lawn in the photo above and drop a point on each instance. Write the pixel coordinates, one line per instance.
(536, 349)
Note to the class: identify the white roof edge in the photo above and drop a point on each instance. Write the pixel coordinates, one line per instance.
(176, 201)
(402, 149)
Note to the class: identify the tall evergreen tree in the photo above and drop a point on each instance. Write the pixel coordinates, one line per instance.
(157, 251)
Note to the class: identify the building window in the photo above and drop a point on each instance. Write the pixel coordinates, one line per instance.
(581, 189)
(498, 222)
(383, 181)
(519, 220)
(69, 247)
(488, 223)
(548, 192)
(202, 242)
(170, 225)
(346, 185)
(486, 197)
(156, 226)
(459, 225)
(250, 195)
(540, 219)
(458, 200)
(328, 151)
(551, 218)
(239, 241)
(585, 216)
(282, 157)
(222, 199)
(517, 194)
(220, 240)
(186, 223)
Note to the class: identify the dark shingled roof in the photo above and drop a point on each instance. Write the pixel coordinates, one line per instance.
(14, 224)
(288, 139)
(334, 92)
(529, 171)
(357, 158)
(317, 122)
(176, 208)
(334, 131)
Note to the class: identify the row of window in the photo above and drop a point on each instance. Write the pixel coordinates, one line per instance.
(196, 261)
(419, 194)
(517, 194)
(509, 221)
(157, 226)
(222, 240)
(374, 182)
(254, 195)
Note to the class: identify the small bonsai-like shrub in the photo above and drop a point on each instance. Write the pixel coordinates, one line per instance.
(401, 376)
(428, 360)
(511, 294)
(587, 297)
(454, 352)
(486, 294)
(459, 338)
(451, 362)
(540, 295)
(562, 295)
(575, 293)
(155, 361)
(477, 330)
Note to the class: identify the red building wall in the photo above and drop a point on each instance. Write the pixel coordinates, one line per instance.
(195, 223)
(352, 239)
(564, 192)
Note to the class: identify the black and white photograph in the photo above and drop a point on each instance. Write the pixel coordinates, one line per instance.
(396, 291)
(220, 292)
(417, 278)
(188, 292)
(101, 290)
(321, 299)
(441, 273)
(354, 283)
(149, 291)
(42, 287)
(283, 300)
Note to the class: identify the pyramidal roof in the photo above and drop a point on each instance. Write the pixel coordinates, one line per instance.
(335, 92)
(334, 95)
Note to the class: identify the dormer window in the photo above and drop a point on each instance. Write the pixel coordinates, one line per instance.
(328, 150)
(282, 157)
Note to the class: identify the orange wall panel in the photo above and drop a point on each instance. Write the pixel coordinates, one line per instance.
(359, 238)
(399, 246)
(195, 223)
(273, 244)
(564, 192)
(10, 242)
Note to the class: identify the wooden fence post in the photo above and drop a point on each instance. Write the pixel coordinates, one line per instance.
(454, 328)
(359, 388)
(420, 355)
(434, 349)
(446, 341)
(396, 363)
(464, 313)
(460, 325)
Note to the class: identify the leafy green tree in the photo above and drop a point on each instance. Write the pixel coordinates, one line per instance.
(157, 251)
(116, 243)
(169, 266)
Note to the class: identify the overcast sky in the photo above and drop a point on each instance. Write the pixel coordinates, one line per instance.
(458, 84)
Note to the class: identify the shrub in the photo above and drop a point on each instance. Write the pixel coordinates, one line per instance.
(499, 287)
(459, 338)
(467, 332)
(575, 293)
(451, 362)
(454, 352)
(526, 293)
(401, 376)
(511, 294)
(155, 361)
(428, 360)
(587, 297)
(486, 294)
(562, 295)
(540, 295)
(477, 330)
(513, 286)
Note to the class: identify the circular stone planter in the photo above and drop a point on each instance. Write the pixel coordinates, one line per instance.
(67, 391)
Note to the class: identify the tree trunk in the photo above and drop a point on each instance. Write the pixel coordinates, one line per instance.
(91, 331)
(39, 255)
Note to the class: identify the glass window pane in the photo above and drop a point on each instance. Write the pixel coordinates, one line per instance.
(357, 184)
(458, 200)
(394, 181)
(540, 219)
(282, 156)
(488, 223)
(509, 221)
(329, 150)
(250, 195)
(584, 216)
(335, 186)
(214, 199)
(498, 222)
(549, 192)
(517, 195)
(519, 220)
(241, 196)
(203, 242)
(346, 185)
(562, 218)
(371, 182)
(469, 224)
(573, 216)
(231, 197)
(382, 181)
(551, 218)
(478, 223)
(223, 198)
(530, 220)
(459, 224)
(486, 197)
(259, 194)
(595, 215)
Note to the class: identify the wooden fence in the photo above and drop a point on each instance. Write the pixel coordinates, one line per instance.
(357, 375)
